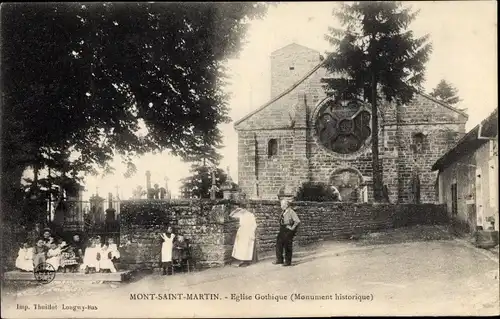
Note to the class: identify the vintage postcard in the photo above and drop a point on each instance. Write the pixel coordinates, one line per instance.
(249, 159)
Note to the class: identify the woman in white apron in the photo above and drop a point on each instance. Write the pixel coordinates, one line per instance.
(166, 249)
(244, 244)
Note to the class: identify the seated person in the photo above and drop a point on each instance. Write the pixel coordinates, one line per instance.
(68, 258)
(180, 251)
(106, 263)
(92, 256)
(39, 253)
(54, 256)
(24, 260)
(46, 234)
(78, 248)
(113, 249)
(48, 242)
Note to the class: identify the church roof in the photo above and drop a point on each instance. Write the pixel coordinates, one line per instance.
(311, 72)
(290, 46)
(446, 105)
(284, 93)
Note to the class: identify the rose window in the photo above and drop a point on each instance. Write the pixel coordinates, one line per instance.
(344, 127)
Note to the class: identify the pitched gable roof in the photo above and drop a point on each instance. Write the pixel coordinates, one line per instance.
(287, 91)
(318, 66)
(442, 103)
(286, 47)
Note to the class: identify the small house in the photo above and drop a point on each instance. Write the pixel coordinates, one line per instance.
(468, 177)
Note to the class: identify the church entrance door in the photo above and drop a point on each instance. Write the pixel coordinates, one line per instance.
(348, 182)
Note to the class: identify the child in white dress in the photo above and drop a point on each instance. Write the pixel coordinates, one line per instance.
(106, 262)
(91, 259)
(166, 249)
(54, 256)
(113, 248)
(24, 260)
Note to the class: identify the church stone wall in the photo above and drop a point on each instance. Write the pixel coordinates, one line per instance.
(300, 158)
(270, 172)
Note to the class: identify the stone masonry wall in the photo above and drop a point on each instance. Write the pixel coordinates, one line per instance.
(204, 223)
(301, 159)
(323, 221)
(298, 149)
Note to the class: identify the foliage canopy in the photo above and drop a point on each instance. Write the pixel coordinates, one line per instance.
(84, 82)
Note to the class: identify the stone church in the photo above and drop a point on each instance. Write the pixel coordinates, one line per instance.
(303, 135)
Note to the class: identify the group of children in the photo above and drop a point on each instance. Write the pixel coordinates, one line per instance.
(96, 257)
(72, 257)
(174, 249)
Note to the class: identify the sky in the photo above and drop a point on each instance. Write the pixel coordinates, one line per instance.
(464, 38)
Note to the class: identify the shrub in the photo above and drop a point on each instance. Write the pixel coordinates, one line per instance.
(316, 192)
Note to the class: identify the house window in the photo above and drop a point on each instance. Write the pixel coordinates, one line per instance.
(292, 68)
(272, 147)
(418, 142)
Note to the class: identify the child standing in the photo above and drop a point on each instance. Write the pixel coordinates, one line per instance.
(180, 251)
(78, 248)
(24, 260)
(166, 249)
(39, 252)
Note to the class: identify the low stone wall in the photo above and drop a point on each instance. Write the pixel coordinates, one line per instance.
(204, 223)
(211, 232)
(322, 221)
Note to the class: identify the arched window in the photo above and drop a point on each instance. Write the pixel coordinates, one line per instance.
(272, 147)
(418, 142)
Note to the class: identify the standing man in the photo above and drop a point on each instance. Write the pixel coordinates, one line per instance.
(244, 244)
(288, 226)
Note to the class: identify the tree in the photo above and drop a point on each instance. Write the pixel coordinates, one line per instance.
(83, 79)
(446, 92)
(138, 192)
(380, 58)
(199, 183)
